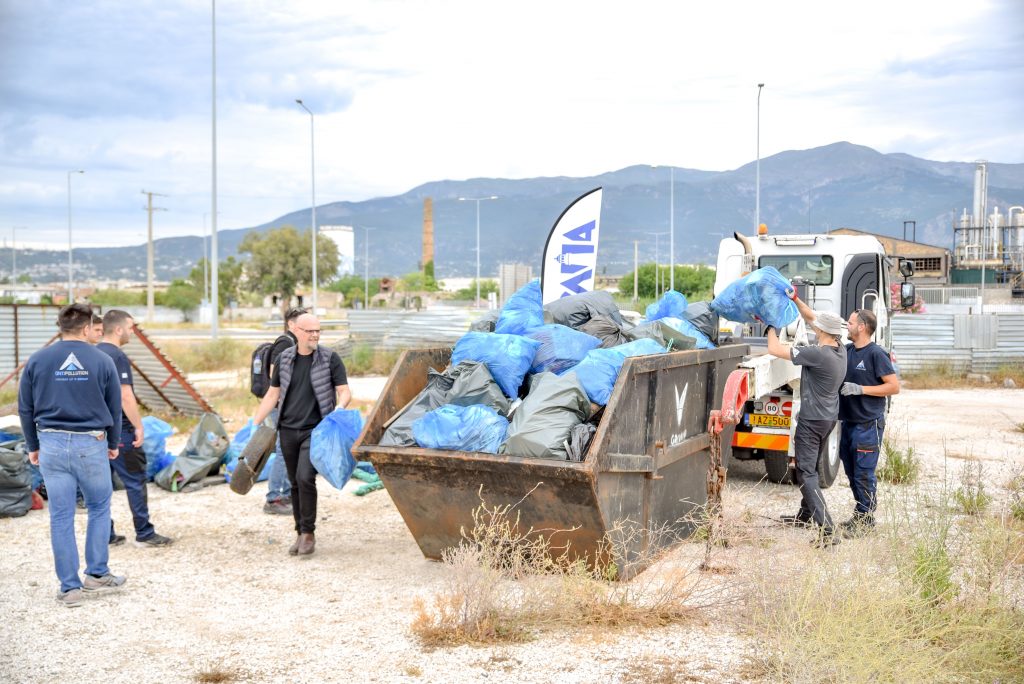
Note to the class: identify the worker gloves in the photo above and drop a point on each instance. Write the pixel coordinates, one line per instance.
(851, 389)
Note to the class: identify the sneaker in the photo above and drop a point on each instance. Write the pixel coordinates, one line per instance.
(95, 585)
(156, 540)
(277, 507)
(71, 598)
(116, 539)
(795, 520)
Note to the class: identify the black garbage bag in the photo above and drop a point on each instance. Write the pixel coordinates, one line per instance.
(15, 484)
(704, 319)
(541, 425)
(486, 322)
(605, 328)
(466, 384)
(579, 441)
(664, 334)
(575, 310)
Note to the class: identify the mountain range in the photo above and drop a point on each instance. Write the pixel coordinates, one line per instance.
(837, 185)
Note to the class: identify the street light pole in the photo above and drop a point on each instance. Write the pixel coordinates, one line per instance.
(312, 169)
(71, 282)
(206, 265)
(757, 205)
(672, 227)
(214, 277)
(366, 268)
(477, 200)
(657, 264)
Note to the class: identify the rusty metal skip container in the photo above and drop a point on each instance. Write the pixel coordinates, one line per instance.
(646, 468)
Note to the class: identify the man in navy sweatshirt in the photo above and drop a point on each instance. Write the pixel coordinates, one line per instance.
(69, 402)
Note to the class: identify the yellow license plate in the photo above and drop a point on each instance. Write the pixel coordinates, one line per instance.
(761, 420)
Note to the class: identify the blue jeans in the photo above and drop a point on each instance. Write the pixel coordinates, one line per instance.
(130, 466)
(69, 462)
(278, 485)
(858, 449)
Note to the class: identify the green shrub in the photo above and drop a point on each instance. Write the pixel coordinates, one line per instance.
(971, 496)
(901, 466)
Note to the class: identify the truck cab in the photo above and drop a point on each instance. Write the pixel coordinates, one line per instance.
(837, 273)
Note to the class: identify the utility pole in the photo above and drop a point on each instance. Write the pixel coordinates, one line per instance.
(150, 314)
(214, 276)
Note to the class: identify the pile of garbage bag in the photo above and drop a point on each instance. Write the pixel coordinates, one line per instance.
(202, 456)
(759, 297)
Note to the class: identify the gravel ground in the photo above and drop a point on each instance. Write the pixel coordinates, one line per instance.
(226, 596)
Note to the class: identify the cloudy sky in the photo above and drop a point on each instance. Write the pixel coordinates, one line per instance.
(409, 92)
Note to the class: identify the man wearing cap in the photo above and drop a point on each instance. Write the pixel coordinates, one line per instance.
(823, 368)
(870, 378)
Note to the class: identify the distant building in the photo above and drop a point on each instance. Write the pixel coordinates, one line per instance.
(931, 263)
(345, 239)
(511, 277)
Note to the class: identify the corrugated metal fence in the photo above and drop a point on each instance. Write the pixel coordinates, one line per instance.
(972, 342)
(26, 329)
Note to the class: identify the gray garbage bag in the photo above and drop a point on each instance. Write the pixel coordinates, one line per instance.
(15, 484)
(202, 455)
(607, 330)
(486, 322)
(704, 319)
(579, 441)
(541, 425)
(466, 384)
(575, 310)
(663, 334)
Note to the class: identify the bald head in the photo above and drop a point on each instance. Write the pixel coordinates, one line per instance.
(307, 331)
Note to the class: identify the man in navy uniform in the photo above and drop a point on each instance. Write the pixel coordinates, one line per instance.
(130, 464)
(69, 402)
(870, 378)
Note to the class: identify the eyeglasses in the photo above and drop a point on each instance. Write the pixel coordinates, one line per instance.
(310, 332)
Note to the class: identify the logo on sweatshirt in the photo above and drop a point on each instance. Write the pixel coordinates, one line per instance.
(860, 366)
(71, 369)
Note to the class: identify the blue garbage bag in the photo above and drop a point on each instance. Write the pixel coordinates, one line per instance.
(599, 370)
(672, 304)
(330, 445)
(642, 347)
(461, 428)
(156, 434)
(560, 349)
(690, 330)
(523, 311)
(507, 357)
(761, 294)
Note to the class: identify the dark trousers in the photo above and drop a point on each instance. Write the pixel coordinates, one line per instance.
(809, 441)
(302, 474)
(858, 449)
(130, 466)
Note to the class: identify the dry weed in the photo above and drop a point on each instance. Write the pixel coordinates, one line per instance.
(505, 584)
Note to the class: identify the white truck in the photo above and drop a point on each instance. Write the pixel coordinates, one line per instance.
(838, 273)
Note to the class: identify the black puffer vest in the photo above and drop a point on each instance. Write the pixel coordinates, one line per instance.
(319, 376)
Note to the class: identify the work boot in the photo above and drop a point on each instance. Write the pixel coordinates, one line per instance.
(857, 526)
(277, 507)
(293, 550)
(795, 520)
(828, 539)
(307, 543)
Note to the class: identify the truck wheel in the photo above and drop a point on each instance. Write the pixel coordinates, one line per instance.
(828, 462)
(776, 464)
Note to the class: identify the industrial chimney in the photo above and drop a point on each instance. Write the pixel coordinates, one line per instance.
(428, 237)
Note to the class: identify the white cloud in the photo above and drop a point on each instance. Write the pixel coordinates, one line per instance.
(408, 92)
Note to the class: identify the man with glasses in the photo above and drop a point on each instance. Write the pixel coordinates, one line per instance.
(870, 378)
(308, 383)
(279, 488)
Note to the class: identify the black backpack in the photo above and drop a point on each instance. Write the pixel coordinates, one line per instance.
(259, 367)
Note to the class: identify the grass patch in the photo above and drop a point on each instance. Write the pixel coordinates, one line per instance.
(1015, 505)
(926, 600)
(971, 496)
(209, 356)
(505, 584)
(366, 360)
(219, 673)
(901, 466)
(944, 375)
